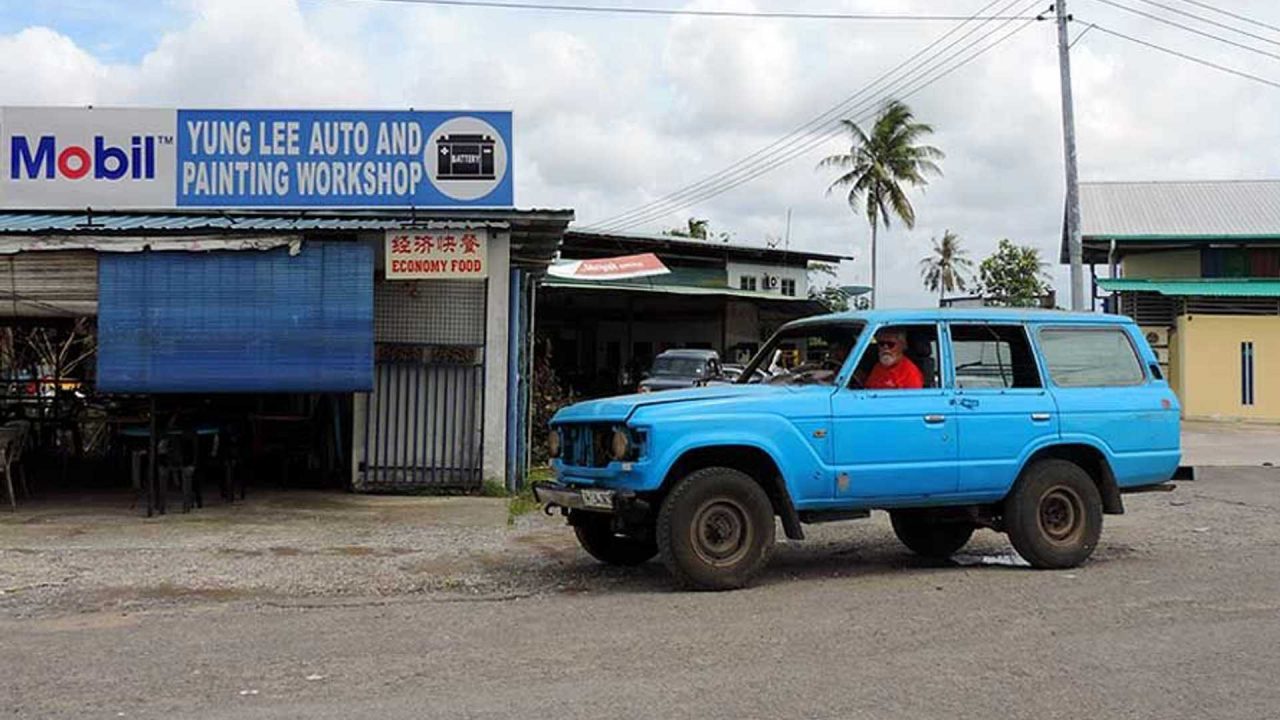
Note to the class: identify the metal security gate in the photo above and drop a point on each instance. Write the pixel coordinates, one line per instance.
(424, 420)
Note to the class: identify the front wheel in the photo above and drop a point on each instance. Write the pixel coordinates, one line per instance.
(596, 536)
(715, 529)
(1054, 515)
(926, 534)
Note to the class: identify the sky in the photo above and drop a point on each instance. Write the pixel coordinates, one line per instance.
(614, 111)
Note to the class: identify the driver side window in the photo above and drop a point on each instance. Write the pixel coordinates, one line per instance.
(900, 357)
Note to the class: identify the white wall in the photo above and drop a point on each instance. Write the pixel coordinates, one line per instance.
(737, 269)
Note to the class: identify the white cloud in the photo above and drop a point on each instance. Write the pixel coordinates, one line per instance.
(612, 112)
(40, 66)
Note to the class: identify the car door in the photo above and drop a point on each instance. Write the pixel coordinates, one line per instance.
(1003, 410)
(893, 444)
(1109, 393)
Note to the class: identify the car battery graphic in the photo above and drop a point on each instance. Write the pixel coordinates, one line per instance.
(464, 157)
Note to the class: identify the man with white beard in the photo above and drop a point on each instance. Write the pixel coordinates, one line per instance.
(894, 371)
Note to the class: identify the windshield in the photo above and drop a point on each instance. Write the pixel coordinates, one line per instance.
(805, 354)
(683, 366)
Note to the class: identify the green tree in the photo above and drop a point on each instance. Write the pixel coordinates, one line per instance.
(945, 269)
(1013, 275)
(698, 228)
(880, 165)
(828, 294)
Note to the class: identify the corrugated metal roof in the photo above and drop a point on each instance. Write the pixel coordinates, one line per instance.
(677, 241)
(535, 233)
(54, 244)
(668, 289)
(1215, 287)
(104, 223)
(1200, 209)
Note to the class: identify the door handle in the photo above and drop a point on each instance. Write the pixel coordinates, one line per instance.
(1040, 417)
(935, 419)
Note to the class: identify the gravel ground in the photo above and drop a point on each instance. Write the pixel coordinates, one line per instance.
(96, 554)
(339, 607)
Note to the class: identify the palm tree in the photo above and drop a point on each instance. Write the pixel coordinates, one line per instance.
(945, 269)
(879, 164)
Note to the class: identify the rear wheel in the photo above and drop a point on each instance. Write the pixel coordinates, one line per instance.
(596, 536)
(716, 529)
(928, 534)
(1054, 515)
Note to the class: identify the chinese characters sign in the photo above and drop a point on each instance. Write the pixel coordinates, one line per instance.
(439, 254)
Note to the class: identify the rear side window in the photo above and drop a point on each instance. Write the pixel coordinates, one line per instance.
(1095, 357)
(992, 357)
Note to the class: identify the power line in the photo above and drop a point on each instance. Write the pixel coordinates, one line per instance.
(833, 132)
(1185, 56)
(1209, 21)
(1228, 13)
(759, 15)
(836, 131)
(797, 135)
(1188, 28)
(1080, 35)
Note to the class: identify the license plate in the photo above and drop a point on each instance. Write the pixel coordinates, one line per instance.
(601, 499)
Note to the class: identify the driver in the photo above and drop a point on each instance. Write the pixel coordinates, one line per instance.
(894, 371)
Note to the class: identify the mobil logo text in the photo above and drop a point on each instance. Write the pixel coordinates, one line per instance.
(44, 158)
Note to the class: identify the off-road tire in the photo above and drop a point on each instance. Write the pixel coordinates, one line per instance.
(715, 529)
(1054, 515)
(926, 534)
(596, 536)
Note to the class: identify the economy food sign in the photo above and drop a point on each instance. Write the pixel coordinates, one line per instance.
(443, 254)
(77, 158)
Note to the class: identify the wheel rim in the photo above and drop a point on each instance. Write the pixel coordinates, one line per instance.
(721, 532)
(1061, 515)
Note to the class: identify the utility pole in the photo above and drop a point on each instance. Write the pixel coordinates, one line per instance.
(1075, 251)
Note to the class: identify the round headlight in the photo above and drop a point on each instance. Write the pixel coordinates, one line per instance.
(553, 444)
(620, 445)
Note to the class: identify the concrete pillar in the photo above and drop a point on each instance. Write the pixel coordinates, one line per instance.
(495, 357)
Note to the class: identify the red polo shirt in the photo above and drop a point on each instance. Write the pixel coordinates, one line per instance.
(902, 375)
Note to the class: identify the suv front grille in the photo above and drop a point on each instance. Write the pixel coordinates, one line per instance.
(585, 444)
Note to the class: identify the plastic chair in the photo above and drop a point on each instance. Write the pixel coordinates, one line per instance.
(8, 437)
(23, 428)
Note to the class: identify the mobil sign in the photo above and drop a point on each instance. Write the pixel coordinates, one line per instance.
(80, 158)
(113, 158)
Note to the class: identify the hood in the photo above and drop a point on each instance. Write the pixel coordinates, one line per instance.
(620, 408)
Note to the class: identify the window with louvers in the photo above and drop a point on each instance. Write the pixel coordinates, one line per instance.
(1149, 308)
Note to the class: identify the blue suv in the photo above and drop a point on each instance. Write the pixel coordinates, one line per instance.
(1032, 423)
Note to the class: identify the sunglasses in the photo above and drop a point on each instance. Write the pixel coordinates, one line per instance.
(889, 344)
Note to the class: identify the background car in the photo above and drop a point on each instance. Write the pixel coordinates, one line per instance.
(679, 369)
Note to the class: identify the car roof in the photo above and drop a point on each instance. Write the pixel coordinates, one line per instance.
(1008, 315)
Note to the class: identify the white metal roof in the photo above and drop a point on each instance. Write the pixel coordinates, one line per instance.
(1224, 208)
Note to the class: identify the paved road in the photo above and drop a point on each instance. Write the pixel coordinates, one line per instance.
(1178, 616)
(1230, 443)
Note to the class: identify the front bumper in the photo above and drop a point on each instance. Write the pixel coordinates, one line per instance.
(622, 502)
